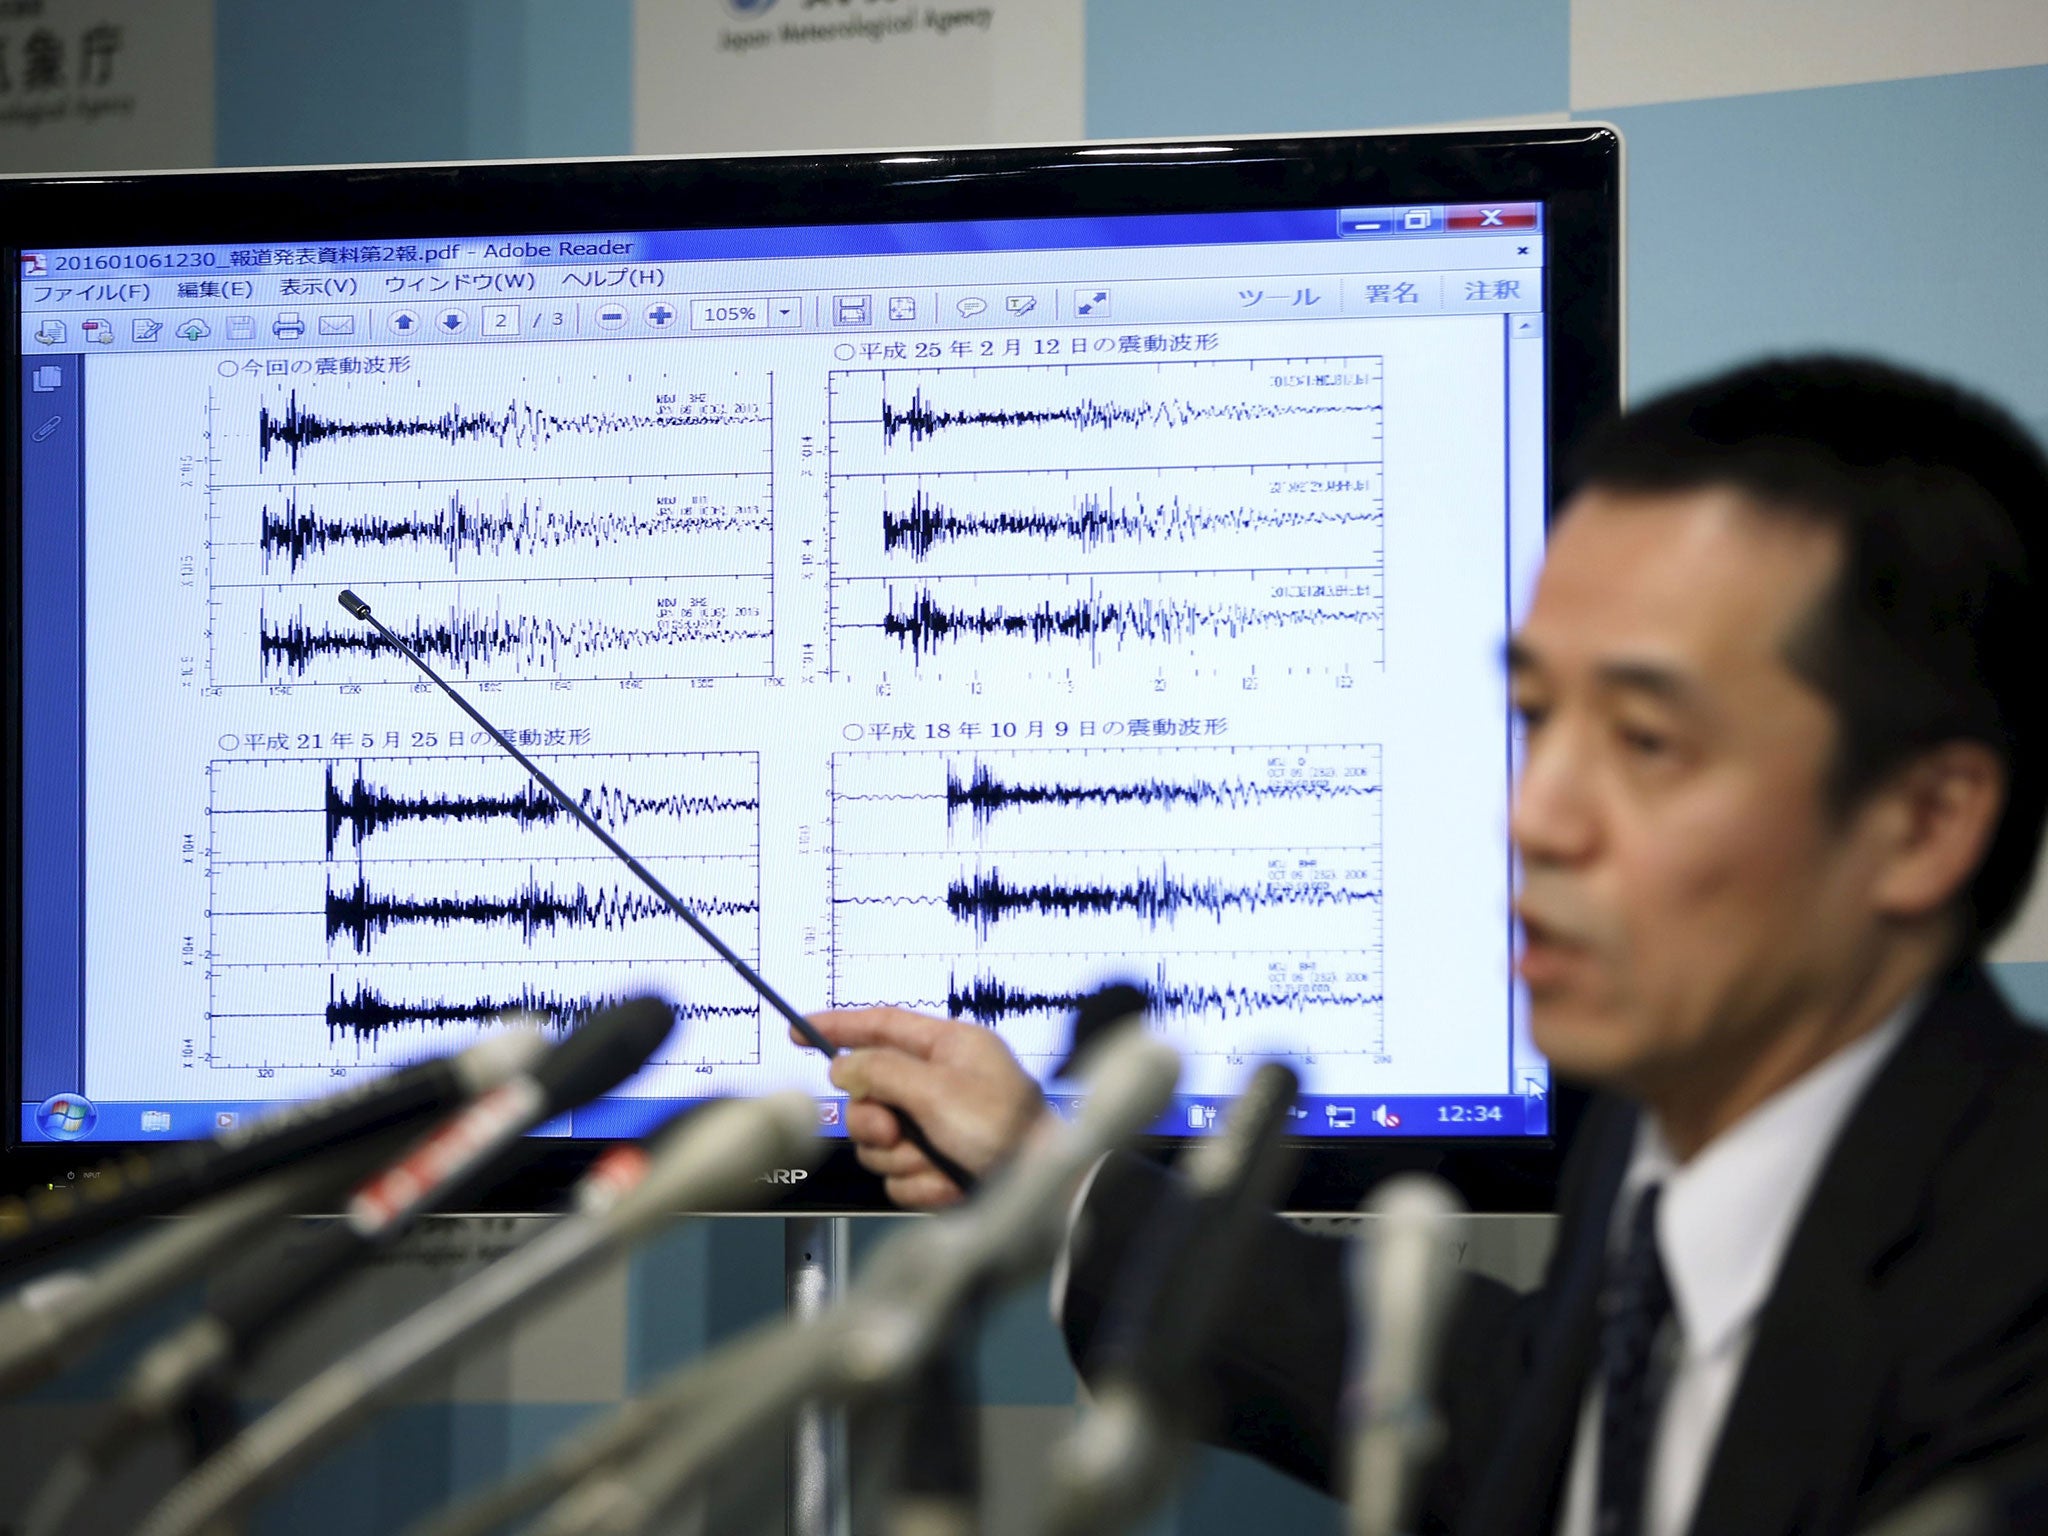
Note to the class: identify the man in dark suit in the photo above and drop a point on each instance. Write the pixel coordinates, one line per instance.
(1786, 771)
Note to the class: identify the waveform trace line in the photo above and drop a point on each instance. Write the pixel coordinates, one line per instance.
(984, 899)
(1096, 520)
(366, 916)
(989, 1000)
(297, 535)
(366, 1013)
(976, 472)
(519, 425)
(304, 483)
(920, 421)
(983, 794)
(469, 638)
(926, 621)
(366, 808)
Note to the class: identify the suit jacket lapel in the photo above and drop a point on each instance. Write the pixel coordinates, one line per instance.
(1518, 1494)
(1801, 1411)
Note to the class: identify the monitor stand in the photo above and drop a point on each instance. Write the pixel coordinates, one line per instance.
(816, 1260)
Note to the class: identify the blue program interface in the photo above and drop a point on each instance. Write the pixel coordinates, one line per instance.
(958, 615)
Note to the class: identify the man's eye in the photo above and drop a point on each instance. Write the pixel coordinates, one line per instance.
(1530, 716)
(1644, 743)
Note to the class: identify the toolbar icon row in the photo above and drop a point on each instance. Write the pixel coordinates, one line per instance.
(858, 309)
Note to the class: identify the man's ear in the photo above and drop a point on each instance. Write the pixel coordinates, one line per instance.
(1941, 811)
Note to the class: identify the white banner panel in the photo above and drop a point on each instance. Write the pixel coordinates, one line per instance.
(1634, 52)
(722, 75)
(105, 85)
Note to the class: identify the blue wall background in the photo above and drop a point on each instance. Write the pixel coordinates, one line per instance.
(1902, 216)
(298, 83)
(1898, 216)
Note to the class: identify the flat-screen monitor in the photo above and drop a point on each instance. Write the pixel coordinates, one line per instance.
(965, 577)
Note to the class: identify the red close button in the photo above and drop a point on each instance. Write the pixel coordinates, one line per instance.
(1491, 216)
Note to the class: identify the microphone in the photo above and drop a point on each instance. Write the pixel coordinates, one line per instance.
(1165, 1311)
(52, 1320)
(1096, 1015)
(912, 1132)
(1403, 1283)
(183, 1373)
(127, 1188)
(712, 1158)
(630, 1469)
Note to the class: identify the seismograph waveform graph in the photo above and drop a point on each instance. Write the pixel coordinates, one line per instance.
(365, 1015)
(1246, 884)
(387, 907)
(641, 629)
(1123, 518)
(920, 421)
(555, 527)
(524, 425)
(1335, 518)
(484, 531)
(1095, 621)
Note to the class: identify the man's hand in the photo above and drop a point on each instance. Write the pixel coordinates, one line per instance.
(958, 1081)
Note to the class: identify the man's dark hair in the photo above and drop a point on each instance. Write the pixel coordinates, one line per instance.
(1936, 628)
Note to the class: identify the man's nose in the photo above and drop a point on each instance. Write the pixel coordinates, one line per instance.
(1553, 818)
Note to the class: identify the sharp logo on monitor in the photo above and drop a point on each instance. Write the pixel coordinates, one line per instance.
(784, 1176)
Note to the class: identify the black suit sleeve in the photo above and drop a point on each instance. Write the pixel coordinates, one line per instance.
(1965, 1304)
(1279, 1371)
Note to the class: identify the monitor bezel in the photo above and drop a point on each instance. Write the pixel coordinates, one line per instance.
(1574, 169)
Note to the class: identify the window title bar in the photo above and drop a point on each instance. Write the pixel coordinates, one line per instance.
(784, 241)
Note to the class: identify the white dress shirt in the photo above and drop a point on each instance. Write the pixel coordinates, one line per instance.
(1723, 1225)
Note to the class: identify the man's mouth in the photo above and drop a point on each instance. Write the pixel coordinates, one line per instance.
(1550, 953)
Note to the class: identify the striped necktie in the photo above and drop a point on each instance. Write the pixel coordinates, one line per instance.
(1633, 1305)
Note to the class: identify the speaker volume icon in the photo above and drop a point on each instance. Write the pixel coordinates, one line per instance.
(1385, 1118)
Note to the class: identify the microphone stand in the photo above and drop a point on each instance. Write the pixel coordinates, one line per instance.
(1149, 1393)
(912, 1131)
(186, 1377)
(937, 1483)
(1403, 1282)
(707, 1159)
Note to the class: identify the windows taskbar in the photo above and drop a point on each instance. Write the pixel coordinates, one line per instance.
(72, 1117)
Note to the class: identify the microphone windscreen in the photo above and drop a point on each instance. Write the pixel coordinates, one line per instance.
(603, 1052)
(1096, 1013)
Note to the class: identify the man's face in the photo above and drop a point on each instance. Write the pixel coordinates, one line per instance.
(1686, 886)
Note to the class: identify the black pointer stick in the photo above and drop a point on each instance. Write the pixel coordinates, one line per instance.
(912, 1131)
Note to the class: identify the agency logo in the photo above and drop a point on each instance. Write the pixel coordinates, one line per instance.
(66, 1116)
(749, 7)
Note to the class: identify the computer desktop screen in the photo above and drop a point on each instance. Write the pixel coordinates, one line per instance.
(958, 613)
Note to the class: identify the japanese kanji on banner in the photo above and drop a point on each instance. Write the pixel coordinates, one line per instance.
(105, 85)
(723, 75)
